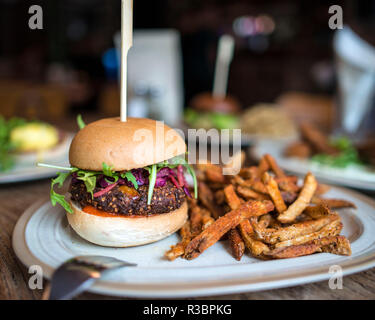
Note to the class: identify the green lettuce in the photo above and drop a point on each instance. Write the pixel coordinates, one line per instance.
(89, 178)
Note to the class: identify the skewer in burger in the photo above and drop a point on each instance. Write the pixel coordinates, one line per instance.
(127, 182)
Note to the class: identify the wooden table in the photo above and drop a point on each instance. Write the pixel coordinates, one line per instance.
(15, 198)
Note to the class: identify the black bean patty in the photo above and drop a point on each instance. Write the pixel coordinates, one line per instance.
(165, 199)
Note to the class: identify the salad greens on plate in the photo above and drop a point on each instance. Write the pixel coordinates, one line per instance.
(347, 155)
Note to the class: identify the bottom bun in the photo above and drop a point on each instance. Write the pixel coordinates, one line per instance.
(124, 231)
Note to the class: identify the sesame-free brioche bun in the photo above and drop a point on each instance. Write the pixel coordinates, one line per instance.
(206, 102)
(136, 143)
(125, 231)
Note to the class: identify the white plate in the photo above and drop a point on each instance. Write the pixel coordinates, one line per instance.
(25, 168)
(43, 237)
(360, 177)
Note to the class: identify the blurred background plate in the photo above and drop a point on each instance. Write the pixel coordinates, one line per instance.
(25, 168)
(354, 176)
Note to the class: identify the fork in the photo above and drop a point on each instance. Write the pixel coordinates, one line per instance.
(78, 274)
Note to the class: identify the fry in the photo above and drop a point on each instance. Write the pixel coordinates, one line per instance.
(236, 243)
(247, 193)
(274, 192)
(215, 186)
(274, 166)
(288, 184)
(258, 186)
(336, 245)
(240, 181)
(206, 196)
(333, 203)
(321, 189)
(265, 220)
(214, 175)
(203, 166)
(275, 224)
(289, 197)
(231, 197)
(255, 184)
(293, 251)
(207, 220)
(263, 166)
(219, 197)
(289, 179)
(331, 229)
(302, 201)
(317, 139)
(268, 213)
(256, 247)
(179, 249)
(195, 220)
(285, 183)
(230, 220)
(316, 212)
(249, 172)
(272, 236)
(235, 240)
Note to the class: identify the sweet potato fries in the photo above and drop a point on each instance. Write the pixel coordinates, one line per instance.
(263, 211)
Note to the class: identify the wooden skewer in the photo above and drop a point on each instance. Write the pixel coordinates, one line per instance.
(223, 60)
(126, 43)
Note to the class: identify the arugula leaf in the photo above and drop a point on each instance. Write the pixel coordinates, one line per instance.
(110, 181)
(128, 175)
(192, 173)
(45, 165)
(60, 179)
(59, 198)
(151, 183)
(107, 170)
(80, 122)
(89, 179)
(90, 183)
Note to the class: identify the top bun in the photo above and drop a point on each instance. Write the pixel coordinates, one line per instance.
(207, 102)
(136, 143)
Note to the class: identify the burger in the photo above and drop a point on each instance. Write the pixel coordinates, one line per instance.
(207, 111)
(128, 184)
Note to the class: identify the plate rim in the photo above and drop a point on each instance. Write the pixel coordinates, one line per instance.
(194, 289)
